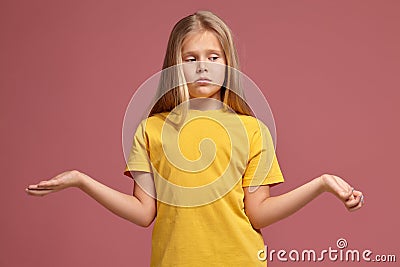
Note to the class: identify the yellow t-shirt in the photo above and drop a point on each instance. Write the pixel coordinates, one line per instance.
(200, 167)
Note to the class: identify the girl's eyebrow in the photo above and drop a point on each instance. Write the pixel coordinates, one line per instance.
(208, 51)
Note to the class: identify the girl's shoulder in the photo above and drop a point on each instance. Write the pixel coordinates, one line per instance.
(255, 126)
(156, 122)
(251, 121)
(153, 120)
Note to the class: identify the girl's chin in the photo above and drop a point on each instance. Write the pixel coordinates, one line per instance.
(204, 91)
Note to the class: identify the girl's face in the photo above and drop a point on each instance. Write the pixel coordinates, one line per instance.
(204, 64)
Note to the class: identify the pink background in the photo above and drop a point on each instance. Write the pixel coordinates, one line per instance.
(329, 69)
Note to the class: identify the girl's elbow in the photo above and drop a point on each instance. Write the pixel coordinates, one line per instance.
(148, 217)
(142, 222)
(256, 224)
(148, 221)
(257, 221)
(254, 220)
(144, 218)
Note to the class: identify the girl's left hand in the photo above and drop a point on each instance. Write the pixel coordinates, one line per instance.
(352, 199)
(63, 180)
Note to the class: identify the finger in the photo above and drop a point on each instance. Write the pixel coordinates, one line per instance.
(353, 202)
(38, 192)
(43, 183)
(357, 193)
(357, 207)
(361, 195)
(37, 188)
(49, 184)
(352, 196)
(348, 194)
(32, 186)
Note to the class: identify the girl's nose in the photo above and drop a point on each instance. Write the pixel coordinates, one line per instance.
(201, 66)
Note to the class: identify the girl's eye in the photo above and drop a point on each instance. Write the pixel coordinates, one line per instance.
(214, 58)
(190, 59)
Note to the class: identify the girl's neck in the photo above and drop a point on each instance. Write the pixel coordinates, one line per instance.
(205, 104)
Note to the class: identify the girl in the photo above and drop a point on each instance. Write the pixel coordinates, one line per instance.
(206, 214)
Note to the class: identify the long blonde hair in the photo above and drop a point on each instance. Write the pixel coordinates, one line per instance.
(169, 95)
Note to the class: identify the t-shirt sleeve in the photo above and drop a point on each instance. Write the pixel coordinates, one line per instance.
(139, 154)
(263, 167)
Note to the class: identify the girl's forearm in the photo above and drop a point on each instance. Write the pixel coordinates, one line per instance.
(125, 206)
(276, 208)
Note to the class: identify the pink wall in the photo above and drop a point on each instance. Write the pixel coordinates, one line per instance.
(329, 69)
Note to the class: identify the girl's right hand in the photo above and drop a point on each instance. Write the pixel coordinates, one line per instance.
(64, 180)
(353, 199)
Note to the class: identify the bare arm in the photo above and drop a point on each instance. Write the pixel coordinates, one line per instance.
(264, 210)
(139, 208)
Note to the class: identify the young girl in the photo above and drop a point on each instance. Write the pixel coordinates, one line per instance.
(208, 207)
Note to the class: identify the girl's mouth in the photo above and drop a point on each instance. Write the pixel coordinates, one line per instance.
(203, 81)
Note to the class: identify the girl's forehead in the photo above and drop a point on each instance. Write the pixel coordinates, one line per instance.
(201, 40)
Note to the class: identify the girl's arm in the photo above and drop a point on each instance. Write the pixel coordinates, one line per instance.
(139, 208)
(263, 210)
